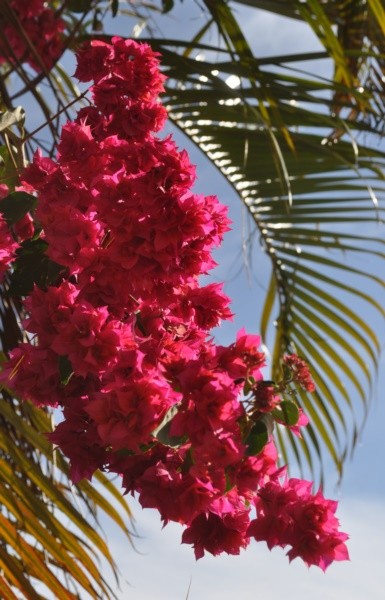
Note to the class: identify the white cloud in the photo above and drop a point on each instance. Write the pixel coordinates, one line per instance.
(163, 568)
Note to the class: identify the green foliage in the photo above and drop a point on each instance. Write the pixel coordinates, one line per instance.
(32, 266)
(167, 5)
(79, 6)
(162, 433)
(287, 413)
(65, 369)
(17, 205)
(257, 438)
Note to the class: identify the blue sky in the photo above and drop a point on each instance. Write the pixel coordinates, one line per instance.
(160, 567)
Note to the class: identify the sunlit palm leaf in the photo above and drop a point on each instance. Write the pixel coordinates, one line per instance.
(42, 513)
(335, 179)
(46, 537)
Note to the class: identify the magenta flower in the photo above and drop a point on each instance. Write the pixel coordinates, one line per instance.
(122, 338)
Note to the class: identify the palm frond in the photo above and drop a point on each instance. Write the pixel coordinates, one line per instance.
(48, 539)
(320, 242)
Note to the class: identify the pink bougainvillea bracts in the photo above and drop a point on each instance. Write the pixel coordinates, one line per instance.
(11, 236)
(299, 371)
(123, 339)
(33, 32)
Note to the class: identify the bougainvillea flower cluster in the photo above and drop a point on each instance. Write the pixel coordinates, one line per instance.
(33, 32)
(121, 342)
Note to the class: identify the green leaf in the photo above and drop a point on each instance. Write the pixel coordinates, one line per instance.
(8, 169)
(286, 413)
(164, 437)
(16, 205)
(379, 12)
(79, 6)
(32, 266)
(167, 5)
(257, 438)
(114, 7)
(313, 12)
(248, 385)
(162, 432)
(65, 369)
